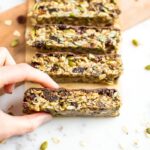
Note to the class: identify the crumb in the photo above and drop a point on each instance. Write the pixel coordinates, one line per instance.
(16, 33)
(55, 140)
(19, 146)
(30, 137)
(82, 143)
(136, 142)
(121, 147)
(8, 22)
(125, 130)
(21, 19)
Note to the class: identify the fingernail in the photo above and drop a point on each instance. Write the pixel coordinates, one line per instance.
(55, 85)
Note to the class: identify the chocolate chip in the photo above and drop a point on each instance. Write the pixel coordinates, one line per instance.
(63, 92)
(54, 67)
(62, 26)
(55, 39)
(74, 104)
(108, 43)
(38, 55)
(52, 98)
(39, 44)
(34, 64)
(41, 7)
(61, 104)
(52, 10)
(100, 6)
(108, 92)
(31, 97)
(21, 19)
(81, 30)
(78, 70)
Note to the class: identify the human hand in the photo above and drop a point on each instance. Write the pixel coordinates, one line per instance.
(11, 73)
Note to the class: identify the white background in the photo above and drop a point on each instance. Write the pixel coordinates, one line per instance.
(99, 133)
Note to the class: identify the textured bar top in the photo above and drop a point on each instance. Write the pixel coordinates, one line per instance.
(75, 12)
(74, 38)
(77, 102)
(69, 67)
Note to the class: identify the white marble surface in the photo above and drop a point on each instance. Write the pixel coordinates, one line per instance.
(101, 133)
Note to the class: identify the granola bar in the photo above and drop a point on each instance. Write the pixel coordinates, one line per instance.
(69, 67)
(74, 38)
(75, 12)
(75, 102)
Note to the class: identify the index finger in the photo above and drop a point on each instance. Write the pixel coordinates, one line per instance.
(23, 72)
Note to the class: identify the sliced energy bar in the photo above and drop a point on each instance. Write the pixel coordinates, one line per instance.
(75, 12)
(74, 38)
(76, 102)
(69, 67)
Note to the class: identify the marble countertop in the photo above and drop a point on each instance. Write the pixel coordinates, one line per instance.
(124, 132)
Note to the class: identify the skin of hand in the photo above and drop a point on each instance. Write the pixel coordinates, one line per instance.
(11, 73)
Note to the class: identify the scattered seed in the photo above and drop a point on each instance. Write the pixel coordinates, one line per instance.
(16, 33)
(147, 130)
(44, 145)
(15, 43)
(135, 42)
(55, 140)
(8, 22)
(147, 67)
(125, 130)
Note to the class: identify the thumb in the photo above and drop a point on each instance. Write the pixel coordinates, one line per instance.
(24, 124)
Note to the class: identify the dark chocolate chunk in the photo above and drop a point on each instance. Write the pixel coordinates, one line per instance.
(62, 26)
(21, 19)
(55, 38)
(78, 70)
(55, 67)
(52, 10)
(39, 44)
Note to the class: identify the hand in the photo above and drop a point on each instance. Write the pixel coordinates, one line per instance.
(10, 73)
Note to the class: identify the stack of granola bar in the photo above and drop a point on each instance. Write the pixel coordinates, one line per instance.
(76, 41)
